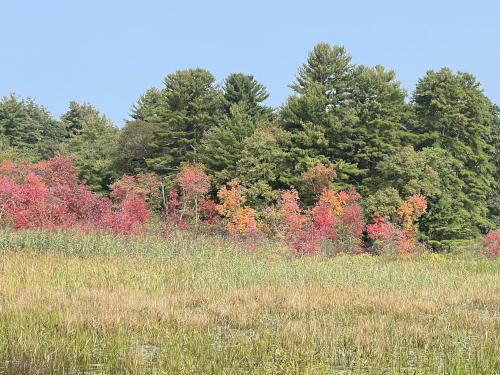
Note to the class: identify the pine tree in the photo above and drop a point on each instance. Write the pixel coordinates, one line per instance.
(16, 124)
(245, 91)
(263, 166)
(453, 113)
(29, 128)
(92, 144)
(343, 114)
(192, 105)
(494, 197)
(133, 146)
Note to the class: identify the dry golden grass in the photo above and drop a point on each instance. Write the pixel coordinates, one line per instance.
(97, 304)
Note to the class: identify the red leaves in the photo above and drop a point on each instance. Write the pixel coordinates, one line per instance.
(192, 181)
(194, 185)
(208, 212)
(388, 238)
(402, 239)
(143, 186)
(130, 217)
(491, 243)
(290, 214)
(380, 230)
(48, 195)
(336, 218)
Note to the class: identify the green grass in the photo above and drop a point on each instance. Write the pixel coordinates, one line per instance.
(92, 303)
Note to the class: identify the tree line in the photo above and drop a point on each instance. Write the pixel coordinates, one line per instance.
(441, 142)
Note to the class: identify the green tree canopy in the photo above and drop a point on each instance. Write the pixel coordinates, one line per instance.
(29, 128)
(344, 114)
(191, 104)
(92, 144)
(453, 113)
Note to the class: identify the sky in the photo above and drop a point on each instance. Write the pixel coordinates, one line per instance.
(108, 52)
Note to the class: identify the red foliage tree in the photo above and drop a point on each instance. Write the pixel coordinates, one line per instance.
(194, 185)
(491, 243)
(388, 238)
(337, 216)
(48, 195)
(130, 217)
(144, 186)
(208, 212)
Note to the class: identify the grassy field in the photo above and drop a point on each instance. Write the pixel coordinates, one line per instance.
(91, 304)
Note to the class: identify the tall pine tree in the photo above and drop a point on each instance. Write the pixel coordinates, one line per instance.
(190, 105)
(453, 113)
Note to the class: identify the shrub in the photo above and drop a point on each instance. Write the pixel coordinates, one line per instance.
(194, 185)
(144, 186)
(389, 239)
(316, 179)
(240, 219)
(491, 243)
(337, 217)
(48, 195)
(410, 210)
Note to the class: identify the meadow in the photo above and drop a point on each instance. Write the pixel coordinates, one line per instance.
(98, 303)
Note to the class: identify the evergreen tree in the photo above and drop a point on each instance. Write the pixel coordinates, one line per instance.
(16, 124)
(29, 128)
(494, 198)
(453, 113)
(245, 91)
(432, 172)
(52, 131)
(222, 145)
(149, 106)
(133, 146)
(92, 144)
(192, 105)
(342, 114)
(262, 169)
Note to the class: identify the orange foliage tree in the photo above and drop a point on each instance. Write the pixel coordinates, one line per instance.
(240, 219)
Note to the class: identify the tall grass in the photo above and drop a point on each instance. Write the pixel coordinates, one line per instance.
(94, 303)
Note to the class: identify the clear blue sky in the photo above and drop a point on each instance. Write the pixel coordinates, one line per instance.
(108, 52)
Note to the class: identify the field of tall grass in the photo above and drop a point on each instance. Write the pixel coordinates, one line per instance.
(95, 303)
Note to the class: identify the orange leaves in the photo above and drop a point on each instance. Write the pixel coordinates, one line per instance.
(290, 213)
(317, 178)
(241, 220)
(337, 201)
(403, 239)
(411, 209)
(231, 198)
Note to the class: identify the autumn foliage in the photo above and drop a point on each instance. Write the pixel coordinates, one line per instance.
(334, 224)
(193, 185)
(491, 243)
(400, 239)
(317, 178)
(240, 220)
(48, 195)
